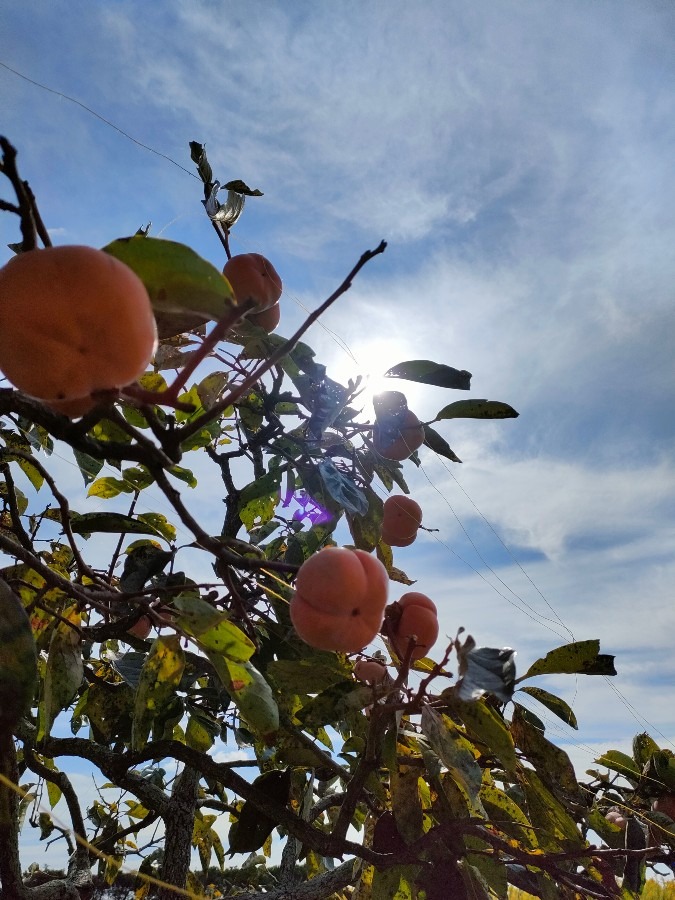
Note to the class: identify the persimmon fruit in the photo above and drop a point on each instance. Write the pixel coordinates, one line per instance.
(419, 620)
(267, 319)
(369, 671)
(397, 431)
(665, 805)
(73, 320)
(141, 628)
(339, 600)
(401, 518)
(252, 277)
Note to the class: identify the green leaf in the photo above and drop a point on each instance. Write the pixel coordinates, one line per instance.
(552, 763)
(308, 676)
(551, 821)
(201, 731)
(18, 659)
(212, 629)
(621, 763)
(251, 693)
(211, 388)
(366, 529)
(138, 477)
(505, 813)
(112, 523)
(557, 706)
(580, 657)
(428, 372)
(143, 562)
(179, 282)
(476, 409)
(394, 883)
(64, 670)
(453, 749)
(259, 499)
(253, 827)
(106, 488)
(644, 747)
(160, 523)
(32, 474)
(160, 676)
(485, 723)
(436, 442)
(184, 475)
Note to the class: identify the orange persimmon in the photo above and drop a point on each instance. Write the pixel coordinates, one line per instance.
(419, 620)
(267, 319)
(73, 320)
(397, 431)
(253, 277)
(401, 518)
(339, 600)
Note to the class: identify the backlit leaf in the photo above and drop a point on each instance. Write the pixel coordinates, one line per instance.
(476, 409)
(428, 372)
(436, 442)
(177, 279)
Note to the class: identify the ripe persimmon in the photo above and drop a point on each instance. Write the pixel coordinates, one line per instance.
(339, 600)
(397, 432)
(267, 319)
(369, 671)
(419, 619)
(73, 321)
(401, 518)
(252, 277)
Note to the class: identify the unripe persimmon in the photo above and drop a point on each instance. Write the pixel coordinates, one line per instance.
(267, 319)
(400, 441)
(73, 321)
(339, 599)
(401, 518)
(418, 619)
(253, 277)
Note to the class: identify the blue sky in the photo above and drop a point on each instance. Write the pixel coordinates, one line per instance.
(518, 159)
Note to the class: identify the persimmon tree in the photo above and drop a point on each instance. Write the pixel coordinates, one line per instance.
(381, 771)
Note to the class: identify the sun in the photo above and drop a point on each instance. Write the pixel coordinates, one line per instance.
(369, 359)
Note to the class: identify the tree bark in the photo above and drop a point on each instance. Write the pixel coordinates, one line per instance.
(179, 825)
(10, 864)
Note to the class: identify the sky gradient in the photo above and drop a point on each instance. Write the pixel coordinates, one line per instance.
(517, 157)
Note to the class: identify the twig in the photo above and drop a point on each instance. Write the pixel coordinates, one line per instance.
(199, 423)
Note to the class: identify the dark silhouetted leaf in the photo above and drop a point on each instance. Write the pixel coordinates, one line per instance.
(476, 409)
(427, 372)
(253, 827)
(111, 523)
(434, 441)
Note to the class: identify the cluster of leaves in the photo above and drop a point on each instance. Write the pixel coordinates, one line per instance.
(158, 652)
